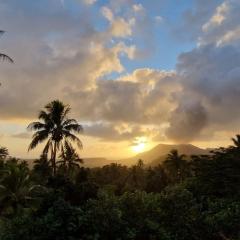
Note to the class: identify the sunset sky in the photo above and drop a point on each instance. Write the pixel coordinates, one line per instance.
(135, 73)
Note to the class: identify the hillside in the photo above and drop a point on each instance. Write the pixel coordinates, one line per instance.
(152, 157)
(158, 154)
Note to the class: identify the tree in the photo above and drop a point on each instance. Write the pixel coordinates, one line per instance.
(3, 153)
(236, 141)
(70, 159)
(176, 165)
(156, 179)
(3, 56)
(136, 177)
(16, 188)
(42, 167)
(55, 127)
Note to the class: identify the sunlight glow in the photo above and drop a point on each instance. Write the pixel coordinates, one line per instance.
(139, 145)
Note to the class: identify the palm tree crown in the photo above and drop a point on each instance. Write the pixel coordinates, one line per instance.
(175, 164)
(70, 159)
(236, 141)
(3, 153)
(55, 127)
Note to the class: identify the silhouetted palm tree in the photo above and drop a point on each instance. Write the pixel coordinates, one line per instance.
(55, 127)
(236, 141)
(70, 159)
(3, 56)
(175, 164)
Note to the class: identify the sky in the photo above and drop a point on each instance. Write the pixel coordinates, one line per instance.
(135, 73)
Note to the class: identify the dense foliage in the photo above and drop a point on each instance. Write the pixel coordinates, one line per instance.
(116, 202)
(193, 199)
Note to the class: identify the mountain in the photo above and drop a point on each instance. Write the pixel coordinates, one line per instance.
(158, 154)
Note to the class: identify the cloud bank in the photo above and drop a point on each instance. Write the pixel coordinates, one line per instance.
(60, 54)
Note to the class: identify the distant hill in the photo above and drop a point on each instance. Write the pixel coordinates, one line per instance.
(158, 154)
(152, 157)
(87, 162)
(95, 162)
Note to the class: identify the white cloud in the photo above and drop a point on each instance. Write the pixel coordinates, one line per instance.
(218, 18)
(138, 7)
(158, 19)
(107, 13)
(119, 27)
(89, 2)
(223, 26)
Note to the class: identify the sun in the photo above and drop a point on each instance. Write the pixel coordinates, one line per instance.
(139, 145)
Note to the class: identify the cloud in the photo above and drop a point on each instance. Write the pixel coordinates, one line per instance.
(223, 27)
(218, 18)
(193, 19)
(23, 135)
(111, 132)
(138, 7)
(63, 55)
(209, 77)
(186, 122)
(89, 2)
(107, 13)
(119, 26)
(145, 96)
(159, 19)
(49, 63)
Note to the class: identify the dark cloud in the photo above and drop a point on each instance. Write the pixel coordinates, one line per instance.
(186, 122)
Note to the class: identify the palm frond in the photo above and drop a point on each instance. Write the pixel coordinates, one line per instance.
(69, 121)
(38, 137)
(74, 127)
(65, 112)
(5, 57)
(73, 138)
(44, 116)
(48, 146)
(34, 126)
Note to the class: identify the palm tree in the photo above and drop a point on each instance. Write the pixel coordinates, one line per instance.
(175, 164)
(55, 127)
(136, 177)
(236, 141)
(3, 56)
(42, 166)
(70, 159)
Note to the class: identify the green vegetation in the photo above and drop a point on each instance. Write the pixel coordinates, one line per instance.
(193, 199)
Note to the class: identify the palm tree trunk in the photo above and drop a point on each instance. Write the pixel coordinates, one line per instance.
(54, 158)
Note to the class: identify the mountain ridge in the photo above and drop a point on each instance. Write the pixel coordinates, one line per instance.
(161, 150)
(152, 157)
